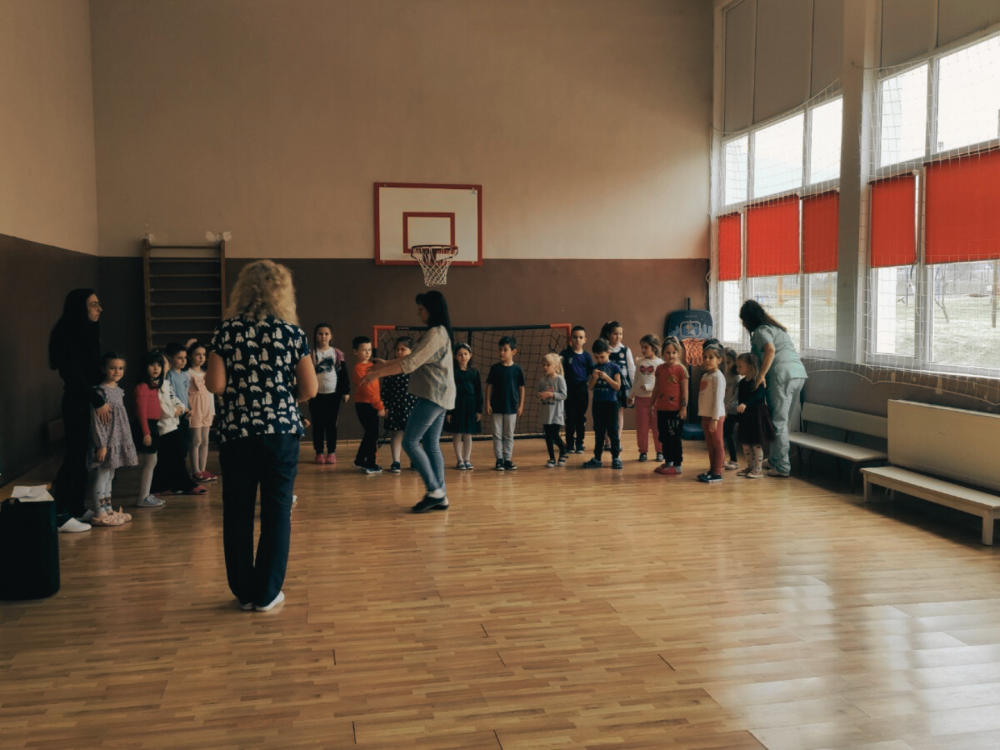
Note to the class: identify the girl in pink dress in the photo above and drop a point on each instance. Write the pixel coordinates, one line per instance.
(202, 412)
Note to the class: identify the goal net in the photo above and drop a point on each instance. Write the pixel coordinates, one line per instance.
(533, 343)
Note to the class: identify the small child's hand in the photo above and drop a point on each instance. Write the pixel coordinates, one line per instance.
(479, 417)
(305, 422)
(489, 410)
(741, 408)
(102, 453)
(147, 440)
(683, 413)
(519, 410)
(631, 400)
(347, 397)
(713, 425)
(383, 412)
(178, 411)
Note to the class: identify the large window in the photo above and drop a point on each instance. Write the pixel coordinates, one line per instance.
(770, 174)
(934, 228)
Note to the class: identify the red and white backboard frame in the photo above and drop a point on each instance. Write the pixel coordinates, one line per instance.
(406, 216)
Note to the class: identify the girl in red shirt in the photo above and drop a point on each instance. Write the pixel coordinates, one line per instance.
(147, 408)
(669, 405)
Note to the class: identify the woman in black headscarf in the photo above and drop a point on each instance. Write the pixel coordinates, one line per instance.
(75, 351)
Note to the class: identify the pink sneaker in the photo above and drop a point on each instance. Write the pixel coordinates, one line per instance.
(672, 471)
(320, 459)
(331, 458)
(661, 469)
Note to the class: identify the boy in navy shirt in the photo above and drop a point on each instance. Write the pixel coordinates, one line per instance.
(505, 401)
(605, 381)
(577, 366)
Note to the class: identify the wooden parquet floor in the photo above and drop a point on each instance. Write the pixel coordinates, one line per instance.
(546, 609)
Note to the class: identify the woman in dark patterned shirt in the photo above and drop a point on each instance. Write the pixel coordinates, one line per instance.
(258, 354)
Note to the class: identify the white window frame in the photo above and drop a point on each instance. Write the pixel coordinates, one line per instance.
(805, 190)
(924, 315)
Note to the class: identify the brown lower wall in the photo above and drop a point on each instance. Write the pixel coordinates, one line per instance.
(36, 279)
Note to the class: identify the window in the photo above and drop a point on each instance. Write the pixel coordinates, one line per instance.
(735, 178)
(730, 300)
(965, 322)
(821, 293)
(777, 161)
(903, 122)
(969, 96)
(894, 289)
(781, 297)
(826, 124)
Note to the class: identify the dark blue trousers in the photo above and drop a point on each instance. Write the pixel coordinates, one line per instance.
(270, 463)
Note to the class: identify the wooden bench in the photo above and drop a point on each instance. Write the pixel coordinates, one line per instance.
(851, 422)
(929, 442)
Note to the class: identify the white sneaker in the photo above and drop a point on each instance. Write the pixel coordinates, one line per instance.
(277, 600)
(85, 518)
(73, 526)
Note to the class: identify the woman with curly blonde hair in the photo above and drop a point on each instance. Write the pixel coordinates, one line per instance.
(258, 354)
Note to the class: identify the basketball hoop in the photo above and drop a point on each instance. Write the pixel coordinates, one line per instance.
(434, 260)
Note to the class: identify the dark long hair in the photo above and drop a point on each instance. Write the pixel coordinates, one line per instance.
(437, 311)
(152, 357)
(754, 316)
(74, 329)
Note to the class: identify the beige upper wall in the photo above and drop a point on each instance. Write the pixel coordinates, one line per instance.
(586, 121)
(48, 190)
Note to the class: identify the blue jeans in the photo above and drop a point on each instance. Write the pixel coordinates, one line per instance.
(422, 442)
(271, 463)
(782, 398)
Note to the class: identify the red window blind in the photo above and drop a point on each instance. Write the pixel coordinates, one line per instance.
(963, 209)
(773, 238)
(820, 232)
(894, 228)
(730, 257)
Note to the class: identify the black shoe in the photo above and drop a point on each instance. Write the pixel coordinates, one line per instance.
(430, 503)
(642, 458)
(509, 466)
(371, 470)
(592, 464)
(499, 466)
(617, 464)
(579, 449)
(709, 478)
(395, 468)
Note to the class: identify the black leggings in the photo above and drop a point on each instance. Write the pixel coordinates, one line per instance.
(576, 414)
(552, 439)
(670, 426)
(70, 483)
(367, 455)
(729, 436)
(606, 425)
(170, 474)
(324, 410)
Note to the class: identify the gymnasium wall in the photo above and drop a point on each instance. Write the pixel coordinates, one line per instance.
(48, 189)
(48, 206)
(586, 121)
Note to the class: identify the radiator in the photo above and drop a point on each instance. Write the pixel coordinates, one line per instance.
(953, 443)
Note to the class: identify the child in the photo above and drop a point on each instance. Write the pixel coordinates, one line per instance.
(334, 390)
(505, 402)
(729, 430)
(148, 413)
(712, 410)
(577, 366)
(465, 419)
(170, 475)
(180, 380)
(645, 380)
(606, 383)
(621, 356)
(202, 405)
(552, 394)
(669, 402)
(756, 427)
(368, 405)
(399, 402)
(111, 445)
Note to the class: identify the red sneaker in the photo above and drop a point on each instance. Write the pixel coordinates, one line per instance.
(331, 458)
(320, 458)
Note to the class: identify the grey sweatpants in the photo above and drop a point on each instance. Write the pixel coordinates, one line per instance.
(503, 436)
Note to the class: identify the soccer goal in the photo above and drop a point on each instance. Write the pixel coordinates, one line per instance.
(533, 343)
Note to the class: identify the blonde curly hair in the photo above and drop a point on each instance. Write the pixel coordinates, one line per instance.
(264, 288)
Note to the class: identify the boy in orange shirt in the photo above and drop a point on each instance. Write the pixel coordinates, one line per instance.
(369, 406)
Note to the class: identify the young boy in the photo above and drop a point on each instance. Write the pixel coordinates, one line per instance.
(605, 381)
(505, 401)
(577, 366)
(369, 406)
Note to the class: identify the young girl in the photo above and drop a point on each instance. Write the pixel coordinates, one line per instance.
(645, 380)
(668, 406)
(465, 419)
(148, 413)
(729, 430)
(552, 393)
(170, 474)
(756, 427)
(111, 445)
(202, 405)
(621, 356)
(334, 391)
(399, 402)
(712, 410)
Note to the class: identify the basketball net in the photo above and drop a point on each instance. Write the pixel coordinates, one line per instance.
(434, 260)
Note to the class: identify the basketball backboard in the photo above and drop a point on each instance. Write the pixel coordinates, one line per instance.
(409, 214)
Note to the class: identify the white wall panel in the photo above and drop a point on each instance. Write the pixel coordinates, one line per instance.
(783, 56)
(909, 29)
(956, 18)
(740, 23)
(828, 43)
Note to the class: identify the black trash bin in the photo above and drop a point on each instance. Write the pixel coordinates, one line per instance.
(29, 550)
